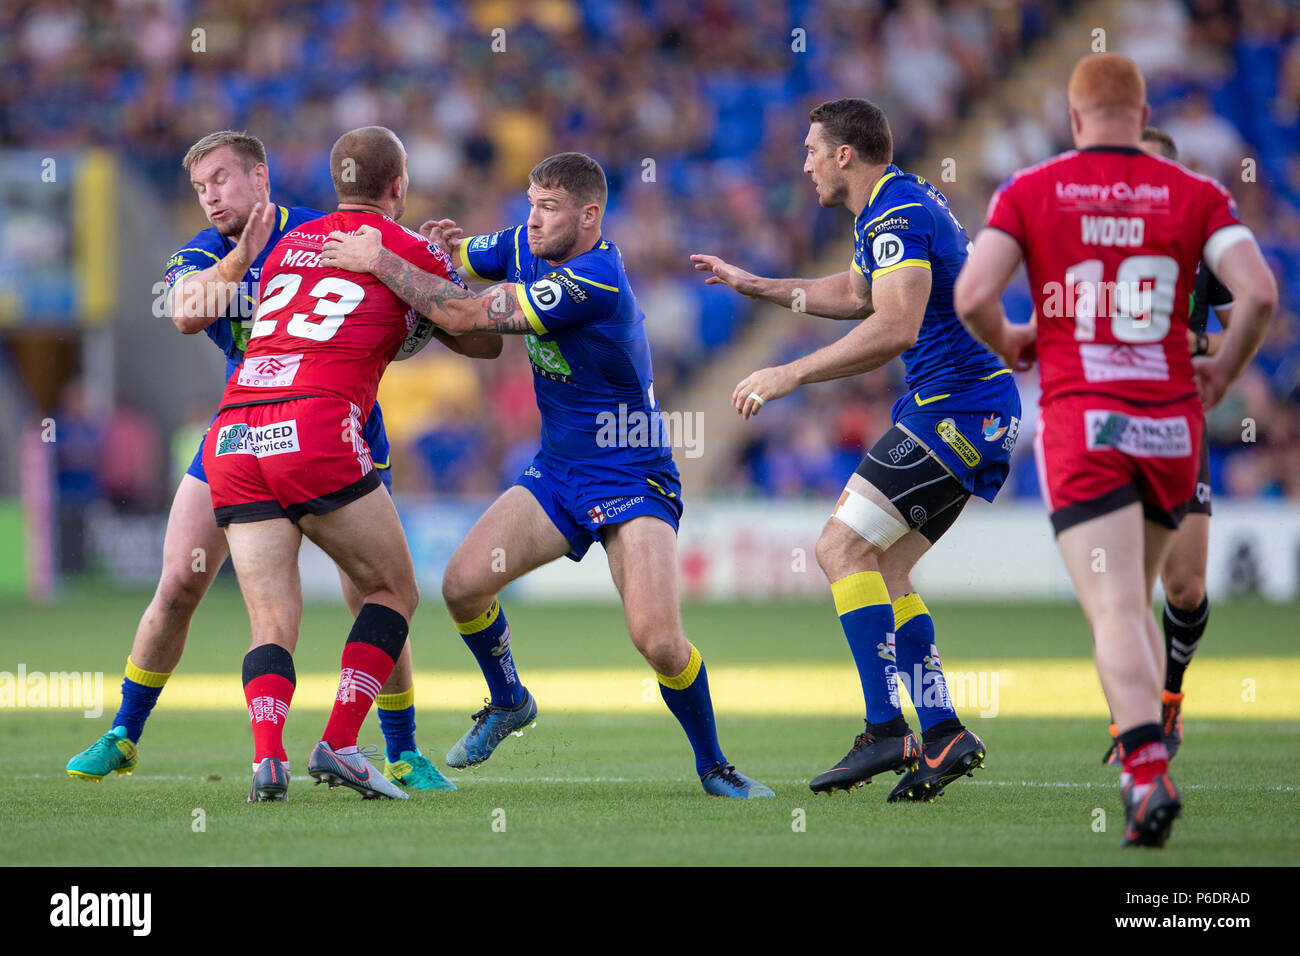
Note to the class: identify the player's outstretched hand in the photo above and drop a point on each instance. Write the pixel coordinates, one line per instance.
(444, 233)
(257, 231)
(761, 387)
(720, 271)
(1211, 381)
(353, 253)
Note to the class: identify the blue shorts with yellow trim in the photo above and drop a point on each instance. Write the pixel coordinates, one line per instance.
(970, 427)
(582, 500)
(374, 434)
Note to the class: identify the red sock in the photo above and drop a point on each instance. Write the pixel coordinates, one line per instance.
(1147, 762)
(268, 696)
(365, 668)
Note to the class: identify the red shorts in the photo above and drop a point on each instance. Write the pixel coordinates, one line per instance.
(1097, 454)
(287, 459)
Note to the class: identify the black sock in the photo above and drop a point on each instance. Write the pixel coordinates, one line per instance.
(943, 729)
(381, 627)
(269, 659)
(890, 728)
(1140, 736)
(1183, 630)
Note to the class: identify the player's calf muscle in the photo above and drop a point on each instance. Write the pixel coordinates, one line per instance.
(366, 541)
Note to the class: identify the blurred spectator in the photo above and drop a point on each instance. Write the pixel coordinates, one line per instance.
(697, 111)
(1207, 142)
(1014, 141)
(130, 460)
(78, 442)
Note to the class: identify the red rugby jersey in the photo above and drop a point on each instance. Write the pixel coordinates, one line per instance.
(326, 331)
(1112, 239)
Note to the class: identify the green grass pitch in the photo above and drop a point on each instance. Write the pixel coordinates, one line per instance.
(605, 776)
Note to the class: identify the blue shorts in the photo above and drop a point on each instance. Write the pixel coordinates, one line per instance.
(580, 500)
(970, 427)
(374, 434)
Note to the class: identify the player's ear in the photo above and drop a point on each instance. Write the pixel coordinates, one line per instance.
(844, 155)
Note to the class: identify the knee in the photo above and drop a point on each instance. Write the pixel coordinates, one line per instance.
(666, 650)
(181, 589)
(841, 551)
(830, 553)
(1185, 591)
(460, 591)
(1119, 624)
(454, 590)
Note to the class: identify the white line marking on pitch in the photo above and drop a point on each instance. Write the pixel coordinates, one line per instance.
(475, 778)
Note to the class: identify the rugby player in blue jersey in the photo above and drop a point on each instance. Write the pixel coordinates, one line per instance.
(563, 287)
(211, 285)
(952, 435)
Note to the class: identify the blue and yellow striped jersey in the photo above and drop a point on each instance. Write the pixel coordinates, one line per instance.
(905, 223)
(590, 356)
(208, 247)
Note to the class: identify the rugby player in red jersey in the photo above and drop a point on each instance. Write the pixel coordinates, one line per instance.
(286, 457)
(1112, 238)
(228, 170)
(1187, 605)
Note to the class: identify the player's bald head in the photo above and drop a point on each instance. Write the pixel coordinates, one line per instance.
(1107, 82)
(364, 162)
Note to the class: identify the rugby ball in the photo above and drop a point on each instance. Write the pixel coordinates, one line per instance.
(420, 336)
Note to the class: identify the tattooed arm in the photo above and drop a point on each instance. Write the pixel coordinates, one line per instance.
(447, 305)
(455, 309)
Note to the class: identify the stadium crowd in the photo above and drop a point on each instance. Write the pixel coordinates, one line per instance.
(697, 108)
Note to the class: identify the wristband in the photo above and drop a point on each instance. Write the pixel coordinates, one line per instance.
(1202, 344)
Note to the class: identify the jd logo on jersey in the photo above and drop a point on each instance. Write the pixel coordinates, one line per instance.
(886, 249)
(546, 293)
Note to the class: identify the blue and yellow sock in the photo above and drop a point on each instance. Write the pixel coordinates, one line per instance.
(397, 721)
(488, 639)
(918, 661)
(140, 690)
(687, 696)
(862, 602)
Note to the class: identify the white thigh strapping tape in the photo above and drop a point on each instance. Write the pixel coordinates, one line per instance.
(869, 520)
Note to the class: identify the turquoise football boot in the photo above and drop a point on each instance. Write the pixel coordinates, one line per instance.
(492, 725)
(111, 752)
